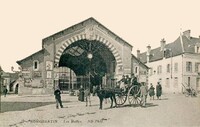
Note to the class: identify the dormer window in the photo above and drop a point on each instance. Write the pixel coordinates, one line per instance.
(35, 65)
(197, 48)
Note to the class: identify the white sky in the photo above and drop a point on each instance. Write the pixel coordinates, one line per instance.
(23, 24)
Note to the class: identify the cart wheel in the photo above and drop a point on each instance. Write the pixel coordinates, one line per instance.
(120, 98)
(134, 96)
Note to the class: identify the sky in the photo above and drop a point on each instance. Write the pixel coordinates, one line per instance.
(23, 24)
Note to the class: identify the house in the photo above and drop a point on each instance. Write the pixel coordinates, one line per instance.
(9, 80)
(139, 69)
(175, 64)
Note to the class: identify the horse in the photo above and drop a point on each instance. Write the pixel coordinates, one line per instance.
(104, 94)
(87, 95)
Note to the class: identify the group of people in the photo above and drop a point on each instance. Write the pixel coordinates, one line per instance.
(126, 81)
(158, 91)
(144, 92)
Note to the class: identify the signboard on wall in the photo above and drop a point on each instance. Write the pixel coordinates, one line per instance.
(49, 74)
(37, 74)
(26, 74)
(49, 65)
(49, 83)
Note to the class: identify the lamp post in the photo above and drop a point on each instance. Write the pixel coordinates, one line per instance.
(89, 56)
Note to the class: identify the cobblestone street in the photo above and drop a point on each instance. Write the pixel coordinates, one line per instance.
(171, 110)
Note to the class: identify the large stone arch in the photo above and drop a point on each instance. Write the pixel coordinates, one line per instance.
(99, 38)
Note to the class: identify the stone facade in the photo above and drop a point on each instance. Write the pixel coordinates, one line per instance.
(174, 65)
(40, 79)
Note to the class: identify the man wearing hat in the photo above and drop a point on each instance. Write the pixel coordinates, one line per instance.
(58, 97)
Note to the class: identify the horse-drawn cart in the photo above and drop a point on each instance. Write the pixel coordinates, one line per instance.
(132, 93)
(119, 95)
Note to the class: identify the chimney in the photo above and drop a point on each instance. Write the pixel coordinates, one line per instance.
(138, 53)
(148, 50)
(148, 53)
(162, 44)
(187, 33)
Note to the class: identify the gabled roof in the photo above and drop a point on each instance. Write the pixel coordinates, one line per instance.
(80, 25)
(176, 49)
(134, 57)
(40, 51)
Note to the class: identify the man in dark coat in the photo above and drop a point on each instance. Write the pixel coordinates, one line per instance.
(58, 98)
(151, 92)
(158, 90)
(5, 91)
(81, 94)
(134, 80)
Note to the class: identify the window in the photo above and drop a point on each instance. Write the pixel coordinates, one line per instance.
(167, 53)
(168, 68)
(159, 69)
(175, 67)
(197, 49)
(198, 82)
(35, 65)
(175, 82)
(136, 70)
(189, 66)
(197, 67)
(167, 83)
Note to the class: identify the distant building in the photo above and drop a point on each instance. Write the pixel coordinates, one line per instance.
(139, 69)
(9, 80)
(174, 64)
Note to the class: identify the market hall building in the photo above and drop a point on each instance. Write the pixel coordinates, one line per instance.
(84, 54)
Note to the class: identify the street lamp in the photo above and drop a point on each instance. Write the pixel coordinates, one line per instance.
(89, 56)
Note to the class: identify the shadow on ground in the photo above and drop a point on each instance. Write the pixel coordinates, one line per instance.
(21, 106)
(148, 105)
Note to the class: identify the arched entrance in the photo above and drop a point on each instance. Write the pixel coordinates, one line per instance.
(91, 61)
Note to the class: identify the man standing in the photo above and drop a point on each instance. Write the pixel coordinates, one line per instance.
(5, 91)
(143, 95)
(158, 90)
(58, 98)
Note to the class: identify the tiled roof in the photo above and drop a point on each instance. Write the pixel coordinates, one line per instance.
(176, 49)
(19, 61)
(81, 24)
(134, 57)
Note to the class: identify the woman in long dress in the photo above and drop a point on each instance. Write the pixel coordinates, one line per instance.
(151, 92)
(158, 90)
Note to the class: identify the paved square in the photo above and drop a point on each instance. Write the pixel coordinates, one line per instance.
(171, 111)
